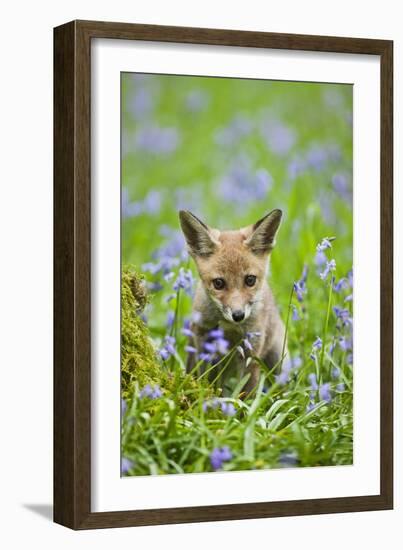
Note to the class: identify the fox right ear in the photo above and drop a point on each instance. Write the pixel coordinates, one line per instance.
(198, 236)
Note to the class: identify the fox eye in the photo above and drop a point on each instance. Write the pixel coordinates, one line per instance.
(250, 280)
(218, 283)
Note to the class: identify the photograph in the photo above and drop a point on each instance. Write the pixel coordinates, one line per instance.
(236, 274)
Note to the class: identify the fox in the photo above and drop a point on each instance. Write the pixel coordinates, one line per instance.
(233, 295)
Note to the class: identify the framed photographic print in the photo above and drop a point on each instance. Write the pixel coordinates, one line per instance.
(222, 274)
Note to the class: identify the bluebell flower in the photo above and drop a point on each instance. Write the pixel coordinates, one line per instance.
(330, 266)
(228, 409)
(340, 387)
(313, 382)
(242, 185)
(216, 333)
(325, 244)
(345, 343)
(218, 456)
(341, 284)
(324, 392)
(296, 167)
(320, 258)
(170, 318)
(300, 288)
(151, 204)
(196, 101)
(279, 137)
(125, 465)
(335, 373)
(186, 330)
(190, 349)
(282, 378)
(317, 343)
(141, 104)
(150, 392)
(123, 407)
(295, 314)
(237, 129)
(168, 348)
(211, 404)
(156, 140)
(343, 315)
(288, 459)
(184, 280)
(342, 187)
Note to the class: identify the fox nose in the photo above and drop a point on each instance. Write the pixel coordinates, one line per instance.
(238, 315)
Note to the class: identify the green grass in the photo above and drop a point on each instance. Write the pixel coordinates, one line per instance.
(280, 424)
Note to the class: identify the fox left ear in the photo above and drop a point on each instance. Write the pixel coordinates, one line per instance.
(263, 237)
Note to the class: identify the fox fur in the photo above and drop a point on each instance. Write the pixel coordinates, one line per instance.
(233, 293)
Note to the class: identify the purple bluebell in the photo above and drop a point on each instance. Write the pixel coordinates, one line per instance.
(156, 140)
(288, 459)
(125, 465)
(295, 314)
(279, 137)
(186, 330)
(234, 132)
(170, 319)
(324, 392)
(317, 343)
(345, 343)
(340, 387)
(211, 404)
(343, 315)
(196, 101)
(151, 204)
(282, 378)
(190, 349)
(336, 372)
(151, 392)
(228, 409)
(320, 258)
(312, 380)
(168, 347)
(330, 267)
(219, 455)
(296, 167)
(185, 281)
(300, 288)
(342, 187)
(243, 185)
(341, 284)
(141, 104)
(324, 244)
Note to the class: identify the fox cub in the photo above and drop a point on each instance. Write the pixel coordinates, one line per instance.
(233, 293)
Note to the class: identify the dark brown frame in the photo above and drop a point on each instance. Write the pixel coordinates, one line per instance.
(72, 268)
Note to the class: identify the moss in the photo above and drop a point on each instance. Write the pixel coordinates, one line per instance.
(139, 360)
(140, 363)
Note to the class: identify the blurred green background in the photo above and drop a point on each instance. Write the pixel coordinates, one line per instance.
(230, 150)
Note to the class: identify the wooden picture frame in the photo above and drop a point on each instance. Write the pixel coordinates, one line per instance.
(72, 274)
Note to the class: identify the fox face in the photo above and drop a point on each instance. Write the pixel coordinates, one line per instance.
(232, 265)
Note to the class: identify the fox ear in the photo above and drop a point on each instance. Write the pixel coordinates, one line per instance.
(263, 233)
(198, 236)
